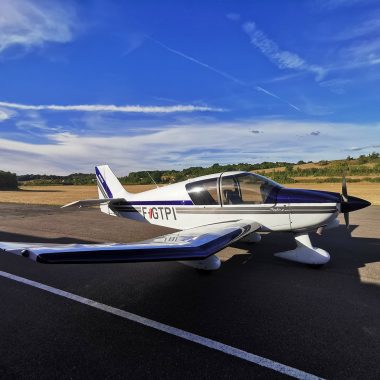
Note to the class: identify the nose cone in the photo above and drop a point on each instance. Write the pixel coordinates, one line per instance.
(353, 204)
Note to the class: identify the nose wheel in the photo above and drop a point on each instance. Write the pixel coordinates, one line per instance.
(305, 253)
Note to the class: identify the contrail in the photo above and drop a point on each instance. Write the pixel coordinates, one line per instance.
(220, 72)
(258, 88)
(112, 108)
(183, 55)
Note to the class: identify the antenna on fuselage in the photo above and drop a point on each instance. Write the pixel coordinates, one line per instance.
(152, 179)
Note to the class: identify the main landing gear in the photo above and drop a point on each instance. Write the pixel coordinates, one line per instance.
(253, 237)
(204, 266)
(305, 253)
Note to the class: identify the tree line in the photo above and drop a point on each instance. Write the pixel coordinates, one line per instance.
(332, 171)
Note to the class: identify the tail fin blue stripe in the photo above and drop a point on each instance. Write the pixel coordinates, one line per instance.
(103, 183)
(101, 189)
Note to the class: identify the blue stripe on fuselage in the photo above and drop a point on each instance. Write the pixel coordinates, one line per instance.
(160, 203)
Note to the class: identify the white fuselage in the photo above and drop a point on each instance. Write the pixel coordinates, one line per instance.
(171, 206)
(279, 217)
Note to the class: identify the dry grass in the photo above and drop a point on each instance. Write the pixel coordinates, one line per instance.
(60, 195)
(282, 168)
(311, 179)
(313, 165)
(270, 170)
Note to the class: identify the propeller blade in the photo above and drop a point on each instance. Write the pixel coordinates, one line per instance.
(347, 219)
(344, 189)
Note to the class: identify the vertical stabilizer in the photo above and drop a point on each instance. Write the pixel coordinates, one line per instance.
(108, 185)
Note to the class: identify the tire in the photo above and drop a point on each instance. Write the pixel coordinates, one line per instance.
(204, 272)
(315, 266)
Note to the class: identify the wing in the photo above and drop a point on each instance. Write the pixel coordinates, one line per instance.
(93, 202)
(193, 244)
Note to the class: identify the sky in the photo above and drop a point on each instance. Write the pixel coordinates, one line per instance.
(149, 85)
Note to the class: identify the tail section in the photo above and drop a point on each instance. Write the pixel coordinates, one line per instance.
(108, 185)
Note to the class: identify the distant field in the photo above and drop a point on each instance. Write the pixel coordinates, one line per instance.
(60, 195)
(315, 165)
(311, 179)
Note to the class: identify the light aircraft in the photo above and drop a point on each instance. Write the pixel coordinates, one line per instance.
(212, 212)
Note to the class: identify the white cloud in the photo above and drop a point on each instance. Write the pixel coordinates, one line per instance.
(111, 108)
(360, 54)
(4, 115)
(366, 27)
(187, 145)
(283, 59)
(336, 86)
(28, 23)
(356, 148)
(35, 125)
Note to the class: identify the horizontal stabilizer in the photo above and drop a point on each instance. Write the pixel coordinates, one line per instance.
(193, 244)
(93, 202)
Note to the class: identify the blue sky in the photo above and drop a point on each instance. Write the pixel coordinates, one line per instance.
(171, 84)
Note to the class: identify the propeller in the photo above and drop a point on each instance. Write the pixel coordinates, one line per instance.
(345, 200)
(348, 203)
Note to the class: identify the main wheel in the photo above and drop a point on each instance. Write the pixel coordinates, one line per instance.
(315, 266)
(204, 272)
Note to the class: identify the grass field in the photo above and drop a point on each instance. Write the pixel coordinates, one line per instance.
(60, 195)
(315, 165)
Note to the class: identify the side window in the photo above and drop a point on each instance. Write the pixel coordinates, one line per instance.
(231, 194)
(203, 192)
(250, 188)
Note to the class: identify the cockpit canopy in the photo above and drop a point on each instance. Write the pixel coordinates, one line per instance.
(233, 189)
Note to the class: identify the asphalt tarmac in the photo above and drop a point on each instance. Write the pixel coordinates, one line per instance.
(325, 322)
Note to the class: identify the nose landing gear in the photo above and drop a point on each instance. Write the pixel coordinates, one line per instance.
(305, 253)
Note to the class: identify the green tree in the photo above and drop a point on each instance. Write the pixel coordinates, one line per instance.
(8, 181)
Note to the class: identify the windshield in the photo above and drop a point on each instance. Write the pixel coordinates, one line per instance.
(248, 188)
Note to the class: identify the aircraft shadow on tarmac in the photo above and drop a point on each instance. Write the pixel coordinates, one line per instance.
(255, 301)
(14, 237)
(348, 253)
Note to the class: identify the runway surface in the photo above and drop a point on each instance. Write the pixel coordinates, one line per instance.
(324, 322)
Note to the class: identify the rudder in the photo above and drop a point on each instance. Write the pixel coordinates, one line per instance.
(108, 184)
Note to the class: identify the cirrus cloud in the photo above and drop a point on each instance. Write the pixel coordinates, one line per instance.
(283, 59)
(28, 24)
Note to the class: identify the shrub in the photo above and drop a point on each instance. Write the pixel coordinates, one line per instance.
(8, 181)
